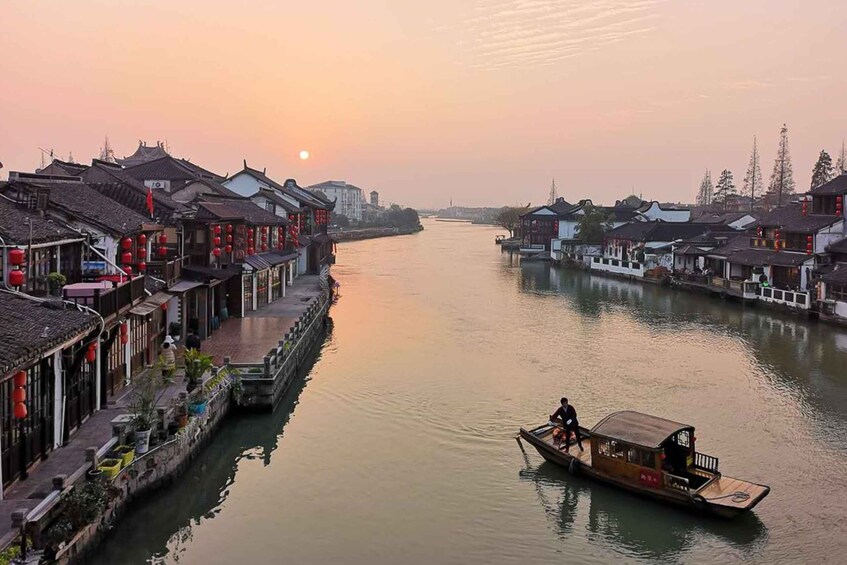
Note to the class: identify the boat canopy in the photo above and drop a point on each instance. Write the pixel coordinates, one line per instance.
(637, 429)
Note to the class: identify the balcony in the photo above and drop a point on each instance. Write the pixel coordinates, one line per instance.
(790, 298)
(168, 271)
(107, 302)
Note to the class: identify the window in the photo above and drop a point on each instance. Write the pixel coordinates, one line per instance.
(837, 291)
(617, 450)
(683, 439)
(641, 457)
(603, 447)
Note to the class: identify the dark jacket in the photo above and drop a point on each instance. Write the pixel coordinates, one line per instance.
(565, 415)
(192, 342)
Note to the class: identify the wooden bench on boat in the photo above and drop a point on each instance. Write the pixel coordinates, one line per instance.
(650, 456)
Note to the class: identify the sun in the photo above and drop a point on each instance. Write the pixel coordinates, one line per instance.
(304, 155)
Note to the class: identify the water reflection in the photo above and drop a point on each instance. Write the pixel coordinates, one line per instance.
(146, 534)
(802, 357)
(620, 521)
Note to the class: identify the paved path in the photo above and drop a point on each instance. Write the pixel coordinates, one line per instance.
(248, 340)
(244, 339)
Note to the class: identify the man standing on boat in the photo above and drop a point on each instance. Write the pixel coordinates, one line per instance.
(567, 414)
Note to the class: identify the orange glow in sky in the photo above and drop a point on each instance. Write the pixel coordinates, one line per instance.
(481, 101)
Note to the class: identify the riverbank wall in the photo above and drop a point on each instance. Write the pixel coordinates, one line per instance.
(232, 387)
(372, 233)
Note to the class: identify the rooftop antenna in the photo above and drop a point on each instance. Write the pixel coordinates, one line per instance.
(553, 194)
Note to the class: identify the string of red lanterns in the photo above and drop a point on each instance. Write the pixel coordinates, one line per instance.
(19, 395)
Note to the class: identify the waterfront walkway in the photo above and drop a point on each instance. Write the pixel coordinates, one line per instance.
(243, 339)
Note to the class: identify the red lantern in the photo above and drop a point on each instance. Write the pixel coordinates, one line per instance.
(163, 251)
(124, 339)
(128, 270)
(264, 238)
(124, 328)
(142, 239)
(264, 229)
(216, 251)
(264, 247)
(217, 241)
(163, 239)
(142, 267)
(217, 230)
(142, 253)
(229, 239)
(126, 257)
(228, 249)
(19, 395)
(805, 207)
(126, 243)
(90, 355)
(20, 379)
(17, 256)
(20, 411)
(16, 278)
(839, 205)
(164, 306)
(251, 251)
(229, 228)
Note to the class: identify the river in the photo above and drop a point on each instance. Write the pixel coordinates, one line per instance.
(398, 446)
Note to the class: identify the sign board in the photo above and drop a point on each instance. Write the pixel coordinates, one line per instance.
(93, 265)
(650, 478)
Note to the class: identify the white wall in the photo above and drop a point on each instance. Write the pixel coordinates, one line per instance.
(244, 184)
(656, 213)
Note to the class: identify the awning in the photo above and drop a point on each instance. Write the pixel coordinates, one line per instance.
(183, 286)
(272, 258)
(151, 304)
(257, 262)
(207, 274)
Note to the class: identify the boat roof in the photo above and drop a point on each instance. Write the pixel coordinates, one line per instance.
(638, 429)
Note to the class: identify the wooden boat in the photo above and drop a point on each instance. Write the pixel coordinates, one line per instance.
(649, 456)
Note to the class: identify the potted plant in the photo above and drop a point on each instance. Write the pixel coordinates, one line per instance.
(110, 467)
(198, 401)
(126, 453)
(55, 282)
(149, 387)
(196, 365)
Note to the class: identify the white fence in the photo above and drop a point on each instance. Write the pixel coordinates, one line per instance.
(617, 266)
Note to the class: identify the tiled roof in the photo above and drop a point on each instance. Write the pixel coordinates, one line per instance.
(790, 218)
(720, 219)
(839, 246)
(14, 228)
(732, 245)
(657, 231)
(755, 257)
(169, 168)
(83, 203)
(838, 185)
(29, 328)
(217, 188)
(143, 153)
(290, 187)
(837, 276)
(278, 200)
(206, 274)
(242, 208)
(122, 188)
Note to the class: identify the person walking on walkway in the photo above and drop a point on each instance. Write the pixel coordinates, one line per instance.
(168, 357)
(567, 414)
(192, 341)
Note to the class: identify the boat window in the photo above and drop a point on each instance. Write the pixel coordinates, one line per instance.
(633, 455)
(617, 450)
(641, 457)
(603, 447)
(682, 439)
(648, 459)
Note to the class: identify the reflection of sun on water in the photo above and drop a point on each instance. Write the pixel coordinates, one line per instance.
(304, 155)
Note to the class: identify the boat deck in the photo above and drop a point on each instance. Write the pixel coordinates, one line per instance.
(583, 456)
(726, 491)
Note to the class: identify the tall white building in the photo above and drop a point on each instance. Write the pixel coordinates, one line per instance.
(348, 198)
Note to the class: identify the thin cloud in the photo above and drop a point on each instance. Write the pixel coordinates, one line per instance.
(511, 33)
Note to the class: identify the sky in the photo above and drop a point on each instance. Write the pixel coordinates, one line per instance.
(478, 101)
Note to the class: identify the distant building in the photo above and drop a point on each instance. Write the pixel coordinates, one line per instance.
(348, 198)
(374, 199)
(143, 154)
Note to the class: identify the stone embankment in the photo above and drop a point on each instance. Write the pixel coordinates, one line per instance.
(371, 233)
(230, 387)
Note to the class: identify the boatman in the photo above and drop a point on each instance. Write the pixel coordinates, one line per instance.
(567, 414)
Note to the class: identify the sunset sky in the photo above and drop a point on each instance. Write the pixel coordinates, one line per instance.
(481, 101)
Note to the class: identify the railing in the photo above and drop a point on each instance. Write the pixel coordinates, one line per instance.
(705, 462)
(617, 266)
(675, 482)
(747, 288)
(115, 300)
(168, 271)
(792, 298)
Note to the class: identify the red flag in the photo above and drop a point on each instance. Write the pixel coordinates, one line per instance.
(150, 201)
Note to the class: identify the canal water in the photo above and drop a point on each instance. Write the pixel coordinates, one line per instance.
(398, 447)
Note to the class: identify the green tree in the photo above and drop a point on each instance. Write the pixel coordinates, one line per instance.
(725, 188)
(753, 182)
(782, 176)
(593, 224)
(341, 220)
(822, 172)
(704, 195)
(509, 218)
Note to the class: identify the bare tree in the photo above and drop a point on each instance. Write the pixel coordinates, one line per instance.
(705, 194)
(509, 218)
